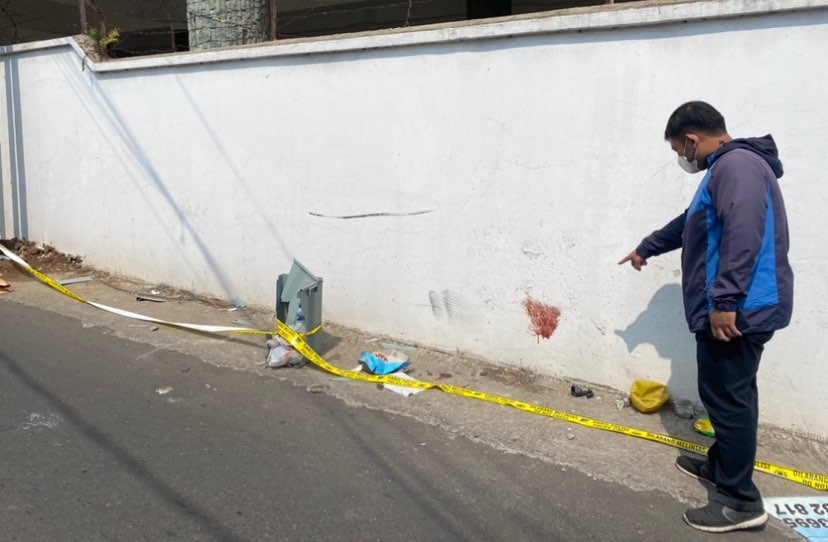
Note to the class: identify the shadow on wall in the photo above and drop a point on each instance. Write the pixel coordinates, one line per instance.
(662, 325)
(127, 147)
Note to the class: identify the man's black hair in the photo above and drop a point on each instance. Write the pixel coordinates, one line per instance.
(694, 116)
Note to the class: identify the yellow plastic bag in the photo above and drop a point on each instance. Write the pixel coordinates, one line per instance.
(648, 396)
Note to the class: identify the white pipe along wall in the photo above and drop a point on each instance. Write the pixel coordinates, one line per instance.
(438, 177)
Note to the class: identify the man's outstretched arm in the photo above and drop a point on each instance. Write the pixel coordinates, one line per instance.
(660, 241)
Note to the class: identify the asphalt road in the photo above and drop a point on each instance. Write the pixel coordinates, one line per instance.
(107, 439)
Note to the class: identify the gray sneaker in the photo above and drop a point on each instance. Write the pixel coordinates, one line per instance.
(693, 467)
(718, 518)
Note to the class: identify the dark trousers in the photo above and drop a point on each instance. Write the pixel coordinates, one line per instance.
(727, 387)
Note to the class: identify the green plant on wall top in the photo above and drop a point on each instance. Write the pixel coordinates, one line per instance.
(113, 37)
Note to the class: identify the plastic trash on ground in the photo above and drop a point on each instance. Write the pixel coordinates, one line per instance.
(578, 391)
(280, 354)
(703, 426)
(379, 363)
(402, 390)
(648, 396)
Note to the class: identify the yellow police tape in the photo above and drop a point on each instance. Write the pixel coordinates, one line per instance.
(296, 339)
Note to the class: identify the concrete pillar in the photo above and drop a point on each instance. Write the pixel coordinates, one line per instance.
(224, 23)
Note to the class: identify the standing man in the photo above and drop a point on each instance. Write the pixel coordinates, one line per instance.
(737, 286)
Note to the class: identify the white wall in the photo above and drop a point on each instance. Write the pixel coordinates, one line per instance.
(532, 149)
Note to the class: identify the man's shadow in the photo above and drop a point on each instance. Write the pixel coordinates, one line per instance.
(662, 325)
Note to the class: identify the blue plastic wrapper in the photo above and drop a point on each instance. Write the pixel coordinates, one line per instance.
(379, 366)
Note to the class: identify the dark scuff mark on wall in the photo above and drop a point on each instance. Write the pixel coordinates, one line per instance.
(371, 215)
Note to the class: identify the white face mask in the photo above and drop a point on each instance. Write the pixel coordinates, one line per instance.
(690, 166)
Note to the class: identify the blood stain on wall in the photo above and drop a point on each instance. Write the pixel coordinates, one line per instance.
(544, 317)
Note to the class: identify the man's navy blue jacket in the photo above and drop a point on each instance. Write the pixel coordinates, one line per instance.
(734, 240)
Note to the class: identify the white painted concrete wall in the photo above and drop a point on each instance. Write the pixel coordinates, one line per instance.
(532, 149)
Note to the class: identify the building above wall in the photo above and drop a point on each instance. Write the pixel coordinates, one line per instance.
(163, 26)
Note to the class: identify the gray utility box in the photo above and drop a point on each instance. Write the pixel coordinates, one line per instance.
(298, 296)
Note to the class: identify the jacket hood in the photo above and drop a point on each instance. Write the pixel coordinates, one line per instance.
(763, 146)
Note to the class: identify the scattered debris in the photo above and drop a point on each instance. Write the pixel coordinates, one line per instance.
(65, 282)
(570, 436)
(403, 390)
(703, 426)
(238, 303)
(5, 287)
(154, 328)
(144, 297)
(163, 391)
(281, 354)
(684, 409)
(444, 375)
(318, 388)
(244, 322)
(45, 259)
(394, 355)
(622, 403)
(400, 347)
(578, 391)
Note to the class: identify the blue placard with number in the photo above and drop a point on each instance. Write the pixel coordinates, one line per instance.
(808, 516)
